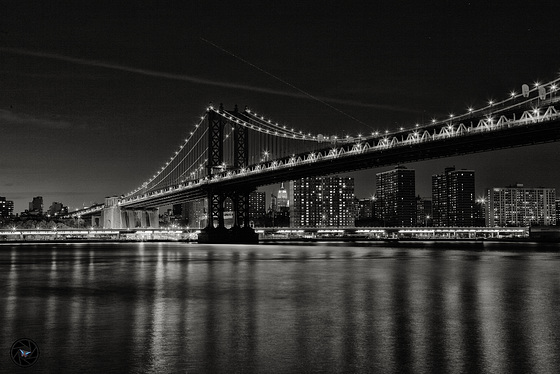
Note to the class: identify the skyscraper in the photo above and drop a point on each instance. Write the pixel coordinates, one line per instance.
(322, 202)
(396, 197)
(282, 198)
(453, 198)
(520, 206)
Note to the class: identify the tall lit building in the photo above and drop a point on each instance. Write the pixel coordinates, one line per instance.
(322, 202)
(396, 197)
(520, 206)
(282, 198)
(453, 198)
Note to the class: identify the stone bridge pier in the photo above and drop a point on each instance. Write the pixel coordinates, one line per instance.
(116, 217)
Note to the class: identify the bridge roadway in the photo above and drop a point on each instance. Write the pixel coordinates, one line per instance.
(517, 133)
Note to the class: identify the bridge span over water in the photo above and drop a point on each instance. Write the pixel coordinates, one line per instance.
(223, 158)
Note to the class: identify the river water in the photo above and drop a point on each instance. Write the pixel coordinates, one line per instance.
(334, 308)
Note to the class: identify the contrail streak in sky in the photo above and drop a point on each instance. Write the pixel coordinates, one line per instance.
(191, 79)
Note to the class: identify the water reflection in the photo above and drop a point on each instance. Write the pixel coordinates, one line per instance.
(174, 308)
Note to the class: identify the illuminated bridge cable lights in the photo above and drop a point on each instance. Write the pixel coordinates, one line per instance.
(158, 177)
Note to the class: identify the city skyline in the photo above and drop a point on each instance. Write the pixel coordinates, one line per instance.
(94, 99)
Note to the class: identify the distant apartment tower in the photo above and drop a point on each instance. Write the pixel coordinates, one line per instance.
(322, 202)
(195, 213)
(423, 211)
(6, 208)
(453, 198)
(257, 205)
(365, 212)
(57, 209)
(396, 197)
(520, 206)
(36, 206)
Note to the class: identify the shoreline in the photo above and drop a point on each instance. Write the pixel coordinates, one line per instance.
(296, 240)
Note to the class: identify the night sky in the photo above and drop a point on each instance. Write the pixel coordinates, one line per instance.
(94, 96)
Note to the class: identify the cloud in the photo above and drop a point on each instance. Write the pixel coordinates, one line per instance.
(196, 80)
(9, 117)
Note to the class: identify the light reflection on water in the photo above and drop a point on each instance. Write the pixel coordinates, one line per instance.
(360, 307)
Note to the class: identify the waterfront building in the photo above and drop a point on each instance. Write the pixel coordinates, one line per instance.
(322, 202)
(520, 206)
(453, 198)
(396, 197)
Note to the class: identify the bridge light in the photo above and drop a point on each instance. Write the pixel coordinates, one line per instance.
(451, 115)
(537, 84)
(491, 102)
(553, 87)
(416, 125)
(470, 109)
(433, 120)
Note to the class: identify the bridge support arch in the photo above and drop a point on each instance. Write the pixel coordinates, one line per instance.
(216, 232)
(240, 232)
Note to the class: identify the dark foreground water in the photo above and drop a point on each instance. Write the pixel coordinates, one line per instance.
(177, 308)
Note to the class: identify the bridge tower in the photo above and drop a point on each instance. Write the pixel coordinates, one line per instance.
(241, 232)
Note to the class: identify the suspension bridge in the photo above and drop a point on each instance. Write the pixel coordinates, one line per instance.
(230, 153)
